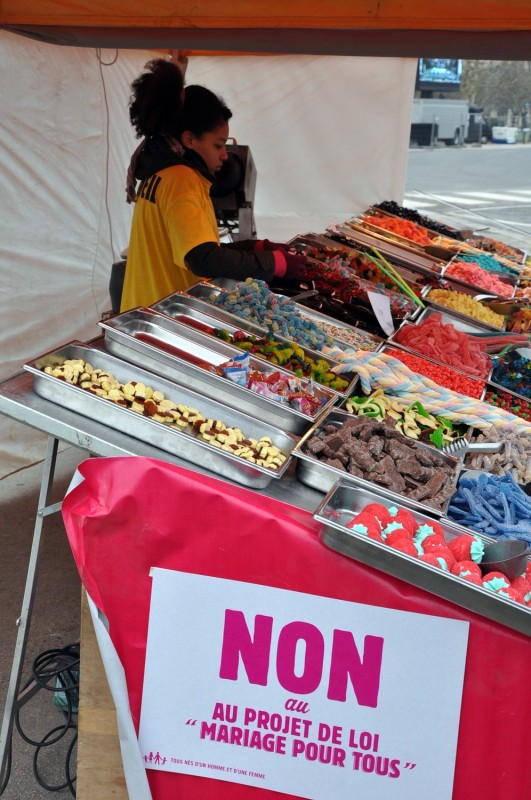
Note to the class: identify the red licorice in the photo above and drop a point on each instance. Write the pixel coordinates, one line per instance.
(443, 342)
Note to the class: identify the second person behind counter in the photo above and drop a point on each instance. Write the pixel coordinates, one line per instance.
(174, 235)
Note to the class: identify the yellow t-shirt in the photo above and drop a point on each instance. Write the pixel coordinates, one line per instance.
(173, 214)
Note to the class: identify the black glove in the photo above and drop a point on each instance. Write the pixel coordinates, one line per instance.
(294, 269)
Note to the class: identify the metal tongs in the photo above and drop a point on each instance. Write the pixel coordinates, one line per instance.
(504, 307)
(461, 446)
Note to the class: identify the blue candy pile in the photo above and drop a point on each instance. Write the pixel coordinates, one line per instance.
(493, 505)
(514, 372)
(487, 262)
(254, 301)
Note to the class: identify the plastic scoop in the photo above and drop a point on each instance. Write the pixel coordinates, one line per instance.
(509, 557)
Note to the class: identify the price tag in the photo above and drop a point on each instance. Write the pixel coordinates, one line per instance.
(381, 306)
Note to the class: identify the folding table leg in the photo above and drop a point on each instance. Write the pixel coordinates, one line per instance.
(24, 620)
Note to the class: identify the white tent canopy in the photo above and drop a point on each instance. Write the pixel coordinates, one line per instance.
(328, 135)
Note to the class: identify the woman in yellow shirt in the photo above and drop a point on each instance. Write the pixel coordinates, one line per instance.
(174, 234)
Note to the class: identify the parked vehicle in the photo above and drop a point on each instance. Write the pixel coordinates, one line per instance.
(451, 121)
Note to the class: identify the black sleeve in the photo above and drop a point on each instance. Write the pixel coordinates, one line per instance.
(243, 244)
(209, 260)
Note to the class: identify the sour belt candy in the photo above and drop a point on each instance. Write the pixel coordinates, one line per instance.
(493, 505)
(445, 343)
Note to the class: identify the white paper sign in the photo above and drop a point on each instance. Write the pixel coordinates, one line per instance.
(381, 305)
(298, 693)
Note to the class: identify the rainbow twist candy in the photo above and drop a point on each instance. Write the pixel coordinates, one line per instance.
(382, 370)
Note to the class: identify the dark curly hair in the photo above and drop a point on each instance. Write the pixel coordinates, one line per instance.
(155, 103)
(202, 111)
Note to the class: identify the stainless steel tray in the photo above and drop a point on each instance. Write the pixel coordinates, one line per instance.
(170, 440)
(205, 291)
(343, 501)
(509, 280)
(203, 311)
(453, 286)
(391, 342)
(497, 387)
(413, 259)
(121, 339)
(449, 316)
(322, 476)
(410, 274)
(518, 260)
(500, 387)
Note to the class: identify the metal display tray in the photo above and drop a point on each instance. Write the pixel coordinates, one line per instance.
(203, 311)
(375, 209)
(212, 315)
(448, 316)
(319, 318)
(121, 339)
(519, 255)
(322, 477)
(463, 289)
(204, 291)
(400, 253)
(497, 387)
(343, 501)
(365, 286)
(392, 342)
(509, 280)
(171, 440)
(411, 275)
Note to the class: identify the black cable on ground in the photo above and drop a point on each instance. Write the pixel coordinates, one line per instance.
(56, 671)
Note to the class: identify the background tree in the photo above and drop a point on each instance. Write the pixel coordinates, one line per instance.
(501, 88)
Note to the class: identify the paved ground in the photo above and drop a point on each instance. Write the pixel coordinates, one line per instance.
(55, 621)
(483, 188)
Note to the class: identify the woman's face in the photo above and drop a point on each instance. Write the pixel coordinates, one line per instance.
(211, 146)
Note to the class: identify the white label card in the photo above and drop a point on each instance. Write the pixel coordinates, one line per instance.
(381, 306)
(299, 693)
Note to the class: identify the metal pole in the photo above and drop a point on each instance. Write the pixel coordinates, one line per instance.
(432, 132)
(23, 622)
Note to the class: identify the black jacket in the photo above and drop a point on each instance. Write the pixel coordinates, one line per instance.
(236, 260)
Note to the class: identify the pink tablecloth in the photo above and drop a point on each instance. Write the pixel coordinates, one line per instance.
(133, 513)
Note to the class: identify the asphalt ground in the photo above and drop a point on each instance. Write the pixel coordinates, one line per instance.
(54, 623)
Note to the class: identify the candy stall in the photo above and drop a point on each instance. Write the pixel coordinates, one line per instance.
(362, 436)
